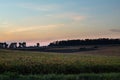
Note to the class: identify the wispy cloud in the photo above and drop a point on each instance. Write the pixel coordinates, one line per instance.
(33, 28)
(77, 17)
(39, 7)
(18, 32)
(115, 30)
(69, 16)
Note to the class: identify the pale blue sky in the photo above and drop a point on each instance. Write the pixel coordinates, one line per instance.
(49, 20)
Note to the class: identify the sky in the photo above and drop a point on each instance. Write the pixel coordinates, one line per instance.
(45, 21)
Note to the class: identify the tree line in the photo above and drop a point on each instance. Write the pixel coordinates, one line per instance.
(78, 42)
(15, 45)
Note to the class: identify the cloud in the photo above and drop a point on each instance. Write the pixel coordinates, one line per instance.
(115, 30)
(69, 16)
(17, 32)
(51, 19)
(39, 7)
(5, 24)
(77, 17)
(33, 28)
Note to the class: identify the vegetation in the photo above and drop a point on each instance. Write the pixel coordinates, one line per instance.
(52, 63)
(103, 41)
(103, 76)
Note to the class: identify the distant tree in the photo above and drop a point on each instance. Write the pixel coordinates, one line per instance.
(3, 45)
(101, 41)
(13, 45)
(22, 45)
(38, 44)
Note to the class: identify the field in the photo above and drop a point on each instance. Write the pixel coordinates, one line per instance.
(92, 76)
(103, 64)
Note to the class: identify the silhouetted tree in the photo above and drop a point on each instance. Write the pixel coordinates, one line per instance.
(13, 45)
(102, 41)
(22, 45)
(3, 45)
(38, 44)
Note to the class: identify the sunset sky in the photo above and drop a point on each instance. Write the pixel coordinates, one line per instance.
(45, 21)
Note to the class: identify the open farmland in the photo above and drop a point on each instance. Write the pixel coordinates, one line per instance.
(39, 63)
(26, 62)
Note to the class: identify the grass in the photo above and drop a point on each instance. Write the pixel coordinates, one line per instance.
(52, 63)
(105, 76)
(25, 65)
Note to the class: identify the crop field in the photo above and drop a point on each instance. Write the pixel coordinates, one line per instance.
(44, 63)
(92, 76)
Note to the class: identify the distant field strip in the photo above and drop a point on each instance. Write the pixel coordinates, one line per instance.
(92, 76)
(52, 63)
